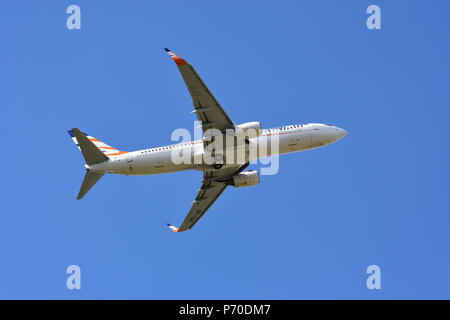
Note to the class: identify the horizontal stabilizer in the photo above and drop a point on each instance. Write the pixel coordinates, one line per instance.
(90, 179)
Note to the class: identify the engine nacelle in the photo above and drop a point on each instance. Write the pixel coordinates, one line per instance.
(248, 178)
(252, 129)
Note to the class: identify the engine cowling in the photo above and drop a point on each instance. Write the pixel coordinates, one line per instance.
(249, 129)
(244, 179)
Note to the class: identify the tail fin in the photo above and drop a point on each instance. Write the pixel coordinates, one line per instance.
(90, 179)
(104, 149)
(94, 151)
(90, 151)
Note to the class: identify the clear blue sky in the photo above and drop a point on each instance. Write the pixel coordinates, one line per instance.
(380, 196)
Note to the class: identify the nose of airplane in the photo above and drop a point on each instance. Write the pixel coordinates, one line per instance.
(340, 133)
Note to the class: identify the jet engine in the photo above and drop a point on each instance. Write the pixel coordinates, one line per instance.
(248, 178)
(251, 129)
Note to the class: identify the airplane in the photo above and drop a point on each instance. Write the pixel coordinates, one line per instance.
(219, 173)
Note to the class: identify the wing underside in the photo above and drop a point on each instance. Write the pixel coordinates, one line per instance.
(212, 116)
(206, 107)
(213, 184)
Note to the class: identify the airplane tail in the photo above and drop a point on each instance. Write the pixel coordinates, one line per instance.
(94, 151)
(80, 138)
(90, 179)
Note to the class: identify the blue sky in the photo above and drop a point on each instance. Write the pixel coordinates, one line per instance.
(379, 196)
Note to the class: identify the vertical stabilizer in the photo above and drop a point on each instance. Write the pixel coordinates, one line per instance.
(94, 151)
(90, 151)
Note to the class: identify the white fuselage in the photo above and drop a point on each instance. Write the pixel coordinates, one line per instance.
(292, 138)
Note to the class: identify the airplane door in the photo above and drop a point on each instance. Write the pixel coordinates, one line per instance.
(293, 143)
(304, 140)
(130, 164)
(157, 161)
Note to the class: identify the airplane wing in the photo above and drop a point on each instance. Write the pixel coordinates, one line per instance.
(212, 116)
(214, 183)
(206, 107)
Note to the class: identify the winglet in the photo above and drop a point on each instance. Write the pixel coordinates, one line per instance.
(179, 61)
(173, 228)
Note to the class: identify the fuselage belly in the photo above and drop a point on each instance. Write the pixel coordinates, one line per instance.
(271, 142)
